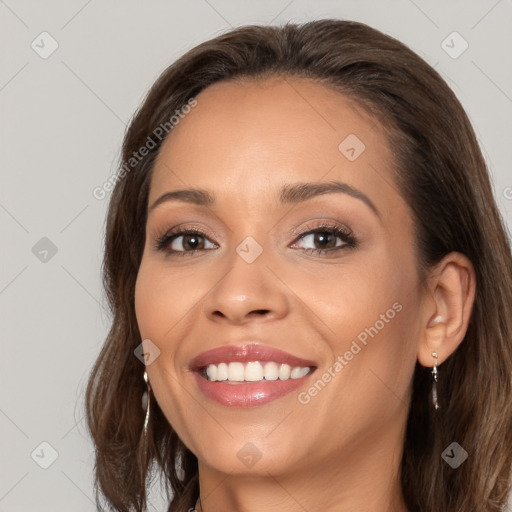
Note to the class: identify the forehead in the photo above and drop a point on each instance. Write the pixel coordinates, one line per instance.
(244, 138)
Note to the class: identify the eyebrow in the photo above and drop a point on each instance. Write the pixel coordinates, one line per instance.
(191, 195)
(289, 194)
(299, 192)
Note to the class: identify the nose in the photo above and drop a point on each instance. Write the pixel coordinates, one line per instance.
(247, 292)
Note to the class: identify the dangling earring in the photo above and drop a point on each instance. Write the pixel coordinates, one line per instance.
(434, 382)
(146, 399)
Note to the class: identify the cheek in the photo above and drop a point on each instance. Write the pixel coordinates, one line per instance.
(149, 300)
(161, 299)
(161, 306)
(373, 354)
(367, 315)
(348, 297)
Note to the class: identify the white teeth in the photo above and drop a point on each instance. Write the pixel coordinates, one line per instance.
(254, 371)
(296, 373)
(284, 371)
(236, 372)
(271, 371)
(211, 371)
(222, 371)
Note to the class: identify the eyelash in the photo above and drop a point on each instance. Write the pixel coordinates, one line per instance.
(346, 236)
(350, 242)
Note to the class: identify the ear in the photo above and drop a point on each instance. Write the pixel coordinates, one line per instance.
(447, 307)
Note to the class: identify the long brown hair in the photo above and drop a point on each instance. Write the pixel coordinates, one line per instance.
(442, 176)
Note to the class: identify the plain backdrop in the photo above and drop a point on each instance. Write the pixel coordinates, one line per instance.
(72, 74)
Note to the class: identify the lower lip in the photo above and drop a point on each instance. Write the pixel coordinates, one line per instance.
(248, 394)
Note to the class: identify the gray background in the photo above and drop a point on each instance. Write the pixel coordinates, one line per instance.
(62, 121)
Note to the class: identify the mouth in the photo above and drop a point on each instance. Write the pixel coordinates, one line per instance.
(249, 375)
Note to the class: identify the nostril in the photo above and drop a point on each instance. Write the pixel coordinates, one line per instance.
(251, 314)
(260, 311)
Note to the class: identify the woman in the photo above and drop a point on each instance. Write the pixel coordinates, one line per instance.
(305, 254)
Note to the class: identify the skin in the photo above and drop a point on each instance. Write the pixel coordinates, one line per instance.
(342, 449)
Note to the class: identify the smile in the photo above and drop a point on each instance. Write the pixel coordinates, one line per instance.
(249, 375)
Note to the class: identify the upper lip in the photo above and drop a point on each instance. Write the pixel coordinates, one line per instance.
(245, 353)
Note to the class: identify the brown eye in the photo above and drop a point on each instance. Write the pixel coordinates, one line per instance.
(325, 239)
(190, 242)
(184, 242)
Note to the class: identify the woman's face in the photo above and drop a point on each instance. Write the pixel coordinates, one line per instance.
(303, 257)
